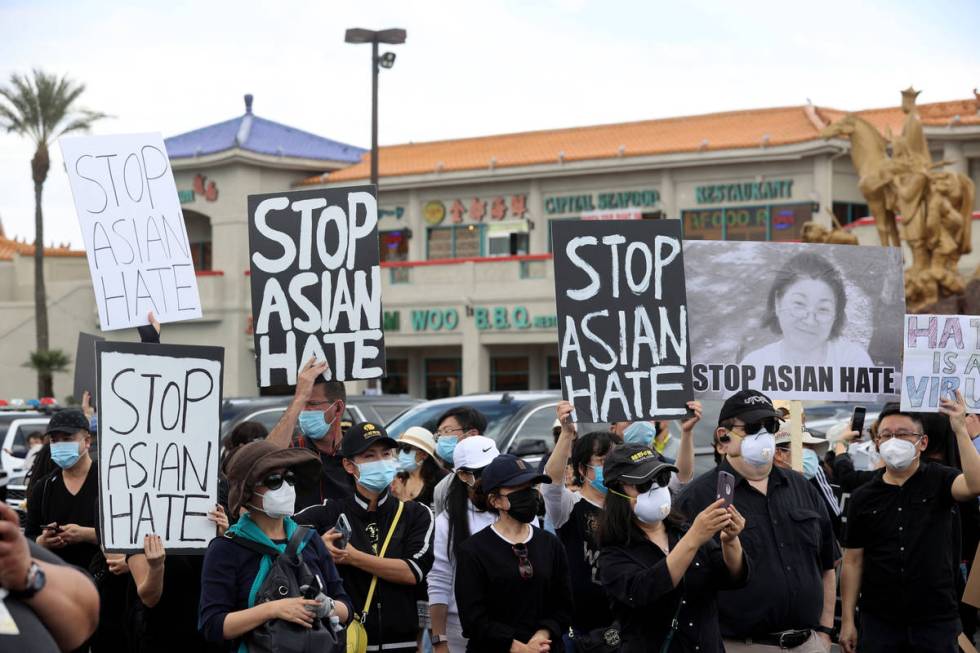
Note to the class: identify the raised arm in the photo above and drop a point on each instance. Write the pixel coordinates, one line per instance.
(555, 467)
(966, 486)
(282, 433)
(685, 454)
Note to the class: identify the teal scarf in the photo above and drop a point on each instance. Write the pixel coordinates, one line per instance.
(248, 529)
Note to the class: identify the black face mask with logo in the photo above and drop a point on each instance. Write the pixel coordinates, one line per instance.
(525, 504)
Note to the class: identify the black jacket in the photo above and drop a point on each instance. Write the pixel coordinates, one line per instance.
(393, 607)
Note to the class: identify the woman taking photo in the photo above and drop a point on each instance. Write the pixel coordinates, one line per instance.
(418, 470)
(261, 479)
(466, 513)
(512, 584)
(647, 551)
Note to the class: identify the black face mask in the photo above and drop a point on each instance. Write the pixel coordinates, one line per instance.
(524, 504)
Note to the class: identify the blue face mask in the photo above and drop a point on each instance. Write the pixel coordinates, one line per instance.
(597, 483)
(640, 433)
(445, 447)
(313, 424)
(810, 463)
(65, 454)
(407, 462)
(377, 474)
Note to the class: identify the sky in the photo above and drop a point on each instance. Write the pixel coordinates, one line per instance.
(468, 68)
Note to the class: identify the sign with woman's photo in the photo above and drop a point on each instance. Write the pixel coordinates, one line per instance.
(795, 321)
(942, 356)
(622, 318)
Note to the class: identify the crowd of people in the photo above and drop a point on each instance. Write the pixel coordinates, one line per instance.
(433, 540)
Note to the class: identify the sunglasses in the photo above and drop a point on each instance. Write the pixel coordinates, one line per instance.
(275, 481)
(662, 480)
(523, 562)
(406, 448)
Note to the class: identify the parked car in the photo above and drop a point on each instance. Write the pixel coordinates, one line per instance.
(520, 422)
(268, 410)
(15, 426)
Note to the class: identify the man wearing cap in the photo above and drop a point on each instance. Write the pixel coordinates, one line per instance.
(814, 450)
(789, 601)
(62, 507)
(376, 517)
(313, 421)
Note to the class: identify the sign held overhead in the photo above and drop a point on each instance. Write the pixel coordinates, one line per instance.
(316, 283)
(622, 319)
(942, 356)
(137, 246)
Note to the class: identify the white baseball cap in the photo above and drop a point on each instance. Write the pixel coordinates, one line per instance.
(474, 452)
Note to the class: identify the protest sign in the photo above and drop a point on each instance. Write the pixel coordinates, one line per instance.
(316, 283)
(159, 426)
(795, 321)
(85, 366)
(942, 355)
(622, 319)
(133, 228)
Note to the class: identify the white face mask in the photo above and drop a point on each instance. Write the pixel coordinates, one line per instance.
(898, 454)
(278, 503)
(758, 449)
(653, 506)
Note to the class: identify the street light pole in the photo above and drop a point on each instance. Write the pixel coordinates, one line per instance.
(374, 37)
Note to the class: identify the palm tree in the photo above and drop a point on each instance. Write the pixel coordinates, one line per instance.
(42, 107)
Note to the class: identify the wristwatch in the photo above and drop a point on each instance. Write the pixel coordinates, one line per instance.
(438, 639)
(825, 630)
(35, 583)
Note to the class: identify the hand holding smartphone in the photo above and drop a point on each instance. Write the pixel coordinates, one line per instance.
(342, 527)
(726, 488)
(857, 420)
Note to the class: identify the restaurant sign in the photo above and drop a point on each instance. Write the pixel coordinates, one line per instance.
(626, 199)
(744, 192)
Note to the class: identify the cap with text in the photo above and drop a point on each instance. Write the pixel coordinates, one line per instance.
(750, 406)
(362, 436)
(633, 464)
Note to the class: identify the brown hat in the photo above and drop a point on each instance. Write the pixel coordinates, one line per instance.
(253, 461)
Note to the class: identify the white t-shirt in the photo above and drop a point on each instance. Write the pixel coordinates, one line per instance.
(442, 576)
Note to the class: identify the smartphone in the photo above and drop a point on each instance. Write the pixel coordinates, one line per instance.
(54, 528)
(726, 488)
(342, 527)
(857, 419)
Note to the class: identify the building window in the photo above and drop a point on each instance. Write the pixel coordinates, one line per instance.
(509, 373)
(461, 241)
(554, 374)
(201, 256)
(396, 382)
(774, 222)
(443, 377)
(848, 212)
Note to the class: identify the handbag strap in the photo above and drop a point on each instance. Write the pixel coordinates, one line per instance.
(384, 548)
(674, 625)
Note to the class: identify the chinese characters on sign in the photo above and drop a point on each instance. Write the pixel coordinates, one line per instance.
(477, 209)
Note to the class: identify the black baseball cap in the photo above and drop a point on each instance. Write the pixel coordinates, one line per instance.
(70, 420)
(359, 437)
(507, 470)
(633, 463)
(750, 406)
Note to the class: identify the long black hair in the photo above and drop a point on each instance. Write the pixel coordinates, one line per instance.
(618, 527)
(457, 511)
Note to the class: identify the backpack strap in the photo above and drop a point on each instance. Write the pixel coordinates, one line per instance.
(299, 536)
(253, 546)
(384, 548)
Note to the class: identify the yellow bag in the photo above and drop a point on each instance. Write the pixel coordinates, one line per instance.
(357, 640)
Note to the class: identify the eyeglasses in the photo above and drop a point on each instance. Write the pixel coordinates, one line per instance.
(887, 435)
(523, 562)
(801, 311)
(449, 431)
(275, 481)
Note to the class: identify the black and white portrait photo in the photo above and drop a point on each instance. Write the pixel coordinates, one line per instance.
(796, 321)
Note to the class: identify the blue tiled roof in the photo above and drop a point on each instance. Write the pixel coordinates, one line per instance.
(254, 134)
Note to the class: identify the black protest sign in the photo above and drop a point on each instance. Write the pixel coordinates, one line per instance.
(622, 319)
(85, 366)
(138, 251)
(159, 431)
(316, 283)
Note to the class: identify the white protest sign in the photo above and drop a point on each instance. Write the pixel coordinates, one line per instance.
(942, 355)
(138, 251)
(159, 429)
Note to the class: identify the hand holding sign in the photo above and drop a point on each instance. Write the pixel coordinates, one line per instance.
(155, 553)
(312, 369)
(954, 407)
